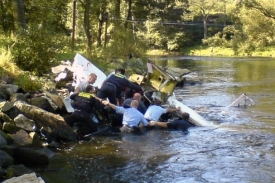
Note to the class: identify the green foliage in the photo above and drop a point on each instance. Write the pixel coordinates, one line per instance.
(34, 50)
(6, 64)
(28, 82)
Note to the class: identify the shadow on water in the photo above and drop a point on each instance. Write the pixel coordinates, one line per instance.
(240, 149)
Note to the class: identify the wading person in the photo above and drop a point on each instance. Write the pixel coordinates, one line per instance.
(131, 116)
(178, 124)
(154, 111)
(85, 104)
(137, 96)
(115, 85)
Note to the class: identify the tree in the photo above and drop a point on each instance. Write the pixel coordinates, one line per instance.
(265, 7)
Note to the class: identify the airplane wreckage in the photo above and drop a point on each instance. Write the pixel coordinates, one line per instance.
(156, 82)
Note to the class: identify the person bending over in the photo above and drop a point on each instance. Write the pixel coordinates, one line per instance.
(137, 96)
(85, 104)
(131, 116)
(114, 86)
(155, 110)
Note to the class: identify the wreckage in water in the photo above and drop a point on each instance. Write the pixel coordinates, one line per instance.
(157, 82)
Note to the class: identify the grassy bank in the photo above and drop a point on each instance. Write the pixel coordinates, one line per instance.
(215, 51)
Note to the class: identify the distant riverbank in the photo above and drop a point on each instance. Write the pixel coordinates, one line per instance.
(216, 51)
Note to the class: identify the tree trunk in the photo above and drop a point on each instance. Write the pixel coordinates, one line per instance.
(117, 9)
(99, 31)
(21, 13)
(205, 28)
(129, 14)
(87, 24)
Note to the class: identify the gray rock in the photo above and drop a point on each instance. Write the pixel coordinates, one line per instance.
(5, 106)
(5, 159)
(17, 170)
(18, 96)
(54, 124)
(3, 141)
(36, 141)
(5, 118)
(42, 103)
(22, 139)
(10, 88)
(7, 137)
(24, 123)
(10, 128)
(29, 178)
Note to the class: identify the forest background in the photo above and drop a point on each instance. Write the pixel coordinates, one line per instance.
(35, 35)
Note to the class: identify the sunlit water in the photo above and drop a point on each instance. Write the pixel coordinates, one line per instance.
(240, 149)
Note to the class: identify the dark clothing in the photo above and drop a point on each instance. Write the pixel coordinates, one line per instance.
(113, 87)
(84, 104)
(179, 124)
(82, 117)
(141, 107)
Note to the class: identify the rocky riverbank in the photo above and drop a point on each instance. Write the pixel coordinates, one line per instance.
(25, 120)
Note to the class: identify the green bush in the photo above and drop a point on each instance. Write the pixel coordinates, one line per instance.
(28, 82)
(35, 50)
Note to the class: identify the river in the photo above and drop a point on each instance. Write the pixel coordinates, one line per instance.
(240, 149)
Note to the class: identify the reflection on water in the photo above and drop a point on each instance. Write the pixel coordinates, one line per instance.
(241, 149)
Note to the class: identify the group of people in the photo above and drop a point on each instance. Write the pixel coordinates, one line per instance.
(134, 115)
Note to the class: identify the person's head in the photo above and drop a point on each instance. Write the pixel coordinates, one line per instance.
(137, 97)
(92, 78)
(120, 71)
(185, 116)
(90, 89)
(134, 104)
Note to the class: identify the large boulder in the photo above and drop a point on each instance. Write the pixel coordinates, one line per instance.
(42, 103)
(54, 124)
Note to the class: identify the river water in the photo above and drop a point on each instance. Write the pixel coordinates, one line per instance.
(240, 149)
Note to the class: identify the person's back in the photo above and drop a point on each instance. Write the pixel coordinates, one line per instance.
(141, 107)
(114, 86)
(181, 123)
(155, 110)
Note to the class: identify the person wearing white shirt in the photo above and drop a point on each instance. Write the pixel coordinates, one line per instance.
(154, 111)
(131, 116)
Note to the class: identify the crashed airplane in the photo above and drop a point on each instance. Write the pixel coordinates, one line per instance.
(157, 82)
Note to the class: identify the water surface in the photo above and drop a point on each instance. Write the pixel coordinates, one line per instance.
(240, 149)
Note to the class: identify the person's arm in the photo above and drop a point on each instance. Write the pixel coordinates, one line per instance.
(159, 124)
(144, 121)
(134, 86)
(107, 103)
(118, 109)
(172, 109)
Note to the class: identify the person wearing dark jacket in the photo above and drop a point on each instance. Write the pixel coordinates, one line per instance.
(114, 85)
(178, 124)
(85, 104)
